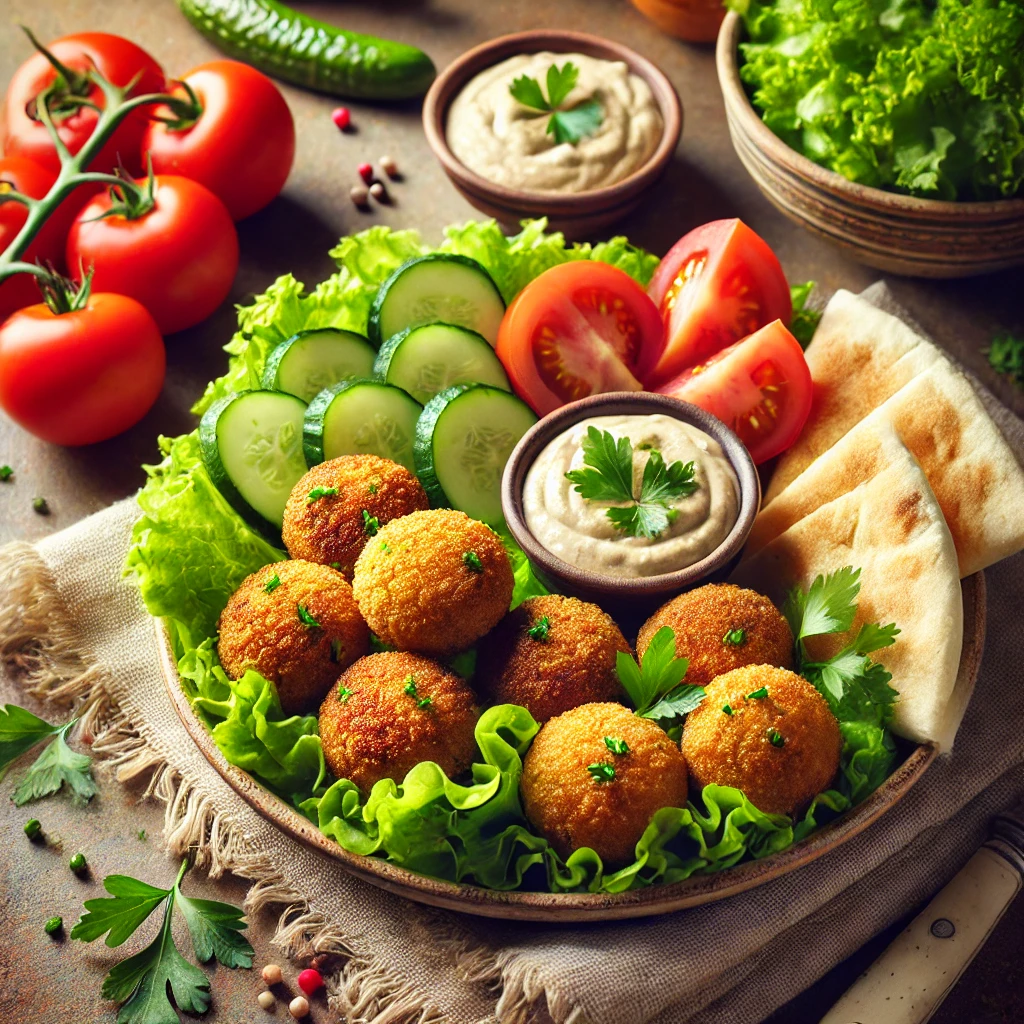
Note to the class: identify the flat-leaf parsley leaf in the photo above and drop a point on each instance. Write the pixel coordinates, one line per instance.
(655, 686)
(566, 125)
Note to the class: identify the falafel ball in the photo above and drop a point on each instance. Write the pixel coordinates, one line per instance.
(339, 505)
(578, 791)
(433, 582)
(550, 655)
(390, 711)
(720, 627)
(781, 749)
(297, 624)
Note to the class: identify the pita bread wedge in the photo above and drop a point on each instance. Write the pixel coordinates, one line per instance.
(859, 357)
(892, 529)
(971, 469)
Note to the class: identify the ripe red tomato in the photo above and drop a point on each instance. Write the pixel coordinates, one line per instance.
(81, 377)
(716, 285)
(117, 59)
(243, 144)
(579, 329)
(179, 259)
(760, 387)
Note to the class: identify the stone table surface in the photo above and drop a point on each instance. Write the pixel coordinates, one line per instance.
(43, 981)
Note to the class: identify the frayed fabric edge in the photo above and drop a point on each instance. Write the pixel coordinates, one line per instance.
(38, 639)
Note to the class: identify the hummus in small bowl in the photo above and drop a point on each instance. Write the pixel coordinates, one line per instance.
(606, 537)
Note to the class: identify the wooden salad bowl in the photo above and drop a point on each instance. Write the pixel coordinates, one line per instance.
(894, 232)
(562, 907)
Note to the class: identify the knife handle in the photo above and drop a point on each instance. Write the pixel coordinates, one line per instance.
(909, 981)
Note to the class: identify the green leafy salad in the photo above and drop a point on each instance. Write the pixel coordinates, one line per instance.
(922, 96)
(191, 551)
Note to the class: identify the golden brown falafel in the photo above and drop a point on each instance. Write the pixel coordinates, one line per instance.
(357, 495)
(390, 711)
(720, 627)
(297, 624)
(567, 660)
(572, 806)
(433, 582)
(781, 749)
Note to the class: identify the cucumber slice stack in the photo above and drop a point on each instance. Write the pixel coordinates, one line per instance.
(361, 417)
(251, 445)
(426, 360)
(310, 361)
(463, 440)
(439, 288)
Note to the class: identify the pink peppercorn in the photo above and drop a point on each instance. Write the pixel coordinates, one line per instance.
(365, 172)
(342, 117)
(310, 981)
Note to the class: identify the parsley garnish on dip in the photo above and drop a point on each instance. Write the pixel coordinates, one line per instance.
(631, 496)
(554, 122)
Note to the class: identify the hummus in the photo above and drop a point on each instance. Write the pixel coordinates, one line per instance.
(579, 532)
(506, 142)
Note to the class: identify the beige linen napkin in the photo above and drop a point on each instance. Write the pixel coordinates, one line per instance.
(84, 633)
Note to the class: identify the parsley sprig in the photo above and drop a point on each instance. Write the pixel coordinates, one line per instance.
(608, 476)
(655, 685)
(566, 125)
(141, 981)
(1006, 356)
(20, 731)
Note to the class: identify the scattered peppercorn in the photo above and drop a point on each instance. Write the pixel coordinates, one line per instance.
(78, 864)
(54, 926)
(33, 828)
(389, 167)
(360, 196)
(6, 473)
(266, 1000)
(271, 974)
(40, 506)
(379, 192)
(342, 117)
(310, 981)
(365, 171)
(299, 1007)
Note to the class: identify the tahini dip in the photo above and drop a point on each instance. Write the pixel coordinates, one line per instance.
(505, 142)
(579, 532)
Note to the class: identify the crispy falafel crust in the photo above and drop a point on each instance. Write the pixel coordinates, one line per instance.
(416, 589)
(263, 631)
(573, 665)
(701, 619)
(735, 750)
(331, 529)
(379, 731)
(570, 809)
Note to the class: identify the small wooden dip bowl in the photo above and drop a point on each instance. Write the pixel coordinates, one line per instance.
(578, 214)
(894, 232)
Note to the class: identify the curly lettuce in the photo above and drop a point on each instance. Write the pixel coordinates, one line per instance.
(924, 97)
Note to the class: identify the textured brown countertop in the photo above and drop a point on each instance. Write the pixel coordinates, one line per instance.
(42, 981)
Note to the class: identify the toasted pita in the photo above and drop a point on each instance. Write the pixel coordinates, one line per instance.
(891, 527)
(859, 357)
(970, 468)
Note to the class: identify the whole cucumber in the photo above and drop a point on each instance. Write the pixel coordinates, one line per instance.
(280, 41)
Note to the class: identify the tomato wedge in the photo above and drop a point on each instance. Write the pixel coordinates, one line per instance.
(579, 329)
(760, 387)
(716, 285)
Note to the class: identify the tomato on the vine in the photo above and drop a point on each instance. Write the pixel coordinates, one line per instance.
(82, 376)
(578, 329)
(760, 387)
(119, 60)
(241, 142)
(716, 285)
(176, 252)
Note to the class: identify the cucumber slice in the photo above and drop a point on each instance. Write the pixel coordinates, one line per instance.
(361, 417)
(439, 288)
(310, 361)
(251, 444)
(426, 360)
(463, 440)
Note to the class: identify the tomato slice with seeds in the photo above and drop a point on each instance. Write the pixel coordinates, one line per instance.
(716, 285)
(760, 387)
(579, 329)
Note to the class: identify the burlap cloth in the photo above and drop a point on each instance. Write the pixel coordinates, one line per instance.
(84, 634)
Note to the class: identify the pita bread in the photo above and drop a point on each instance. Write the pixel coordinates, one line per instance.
(891, 527)
(859, 357)
(970, 468)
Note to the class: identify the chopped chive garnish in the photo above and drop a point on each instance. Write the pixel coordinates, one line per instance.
(735, 637)
(758, 694)
(272, 584)
(410, 686)
(337, 650)
(601, 772)
(371, 524)
(344, 693)
(775, 738)
(384, 547)
(726, 709)
(616, 745)
(6, 473)
(424, 702)
(471, 560)
(320, 492)
(305, 618)
(335, 565)
(540, 629)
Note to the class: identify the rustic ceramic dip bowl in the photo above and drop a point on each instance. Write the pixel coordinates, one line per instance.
(579, 214)
(617, 594)
(894, 232)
